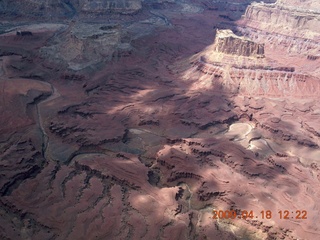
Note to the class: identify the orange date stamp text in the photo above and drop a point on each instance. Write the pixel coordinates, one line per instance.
(264, 214)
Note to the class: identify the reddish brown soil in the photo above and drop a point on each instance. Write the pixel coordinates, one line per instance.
(147, 146)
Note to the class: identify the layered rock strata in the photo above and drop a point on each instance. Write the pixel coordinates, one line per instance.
(285, 25)
(257, 81)
(230, 9)
(148, 145)
(103, 6)
(229, 43)
(238, 65)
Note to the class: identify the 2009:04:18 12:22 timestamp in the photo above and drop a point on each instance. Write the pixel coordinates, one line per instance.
(244, 214)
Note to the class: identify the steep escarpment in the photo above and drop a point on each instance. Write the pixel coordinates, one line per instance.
(283, 24)
(140, 126)
(284, 13)
(229, 43)
(230, 9)
(240, 65)
(259, 81)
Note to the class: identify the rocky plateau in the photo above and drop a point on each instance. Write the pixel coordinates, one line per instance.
(137, 119)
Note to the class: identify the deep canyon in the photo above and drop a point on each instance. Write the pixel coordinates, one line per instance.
(136, 119)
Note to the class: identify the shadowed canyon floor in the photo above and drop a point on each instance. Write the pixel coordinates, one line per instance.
(138, 128)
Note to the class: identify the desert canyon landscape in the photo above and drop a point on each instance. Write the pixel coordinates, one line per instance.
(159, 119)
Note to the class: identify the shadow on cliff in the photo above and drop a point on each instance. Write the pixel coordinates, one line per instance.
(186, 119)
(171, 106)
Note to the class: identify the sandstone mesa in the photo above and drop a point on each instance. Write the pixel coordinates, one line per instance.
(135, 119)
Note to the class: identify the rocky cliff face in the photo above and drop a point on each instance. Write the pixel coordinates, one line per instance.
(282, 23)
(229, 43)
(232, 9)
(255, 80)
(240, 65)
(146, 146)
(304, 5)
(283, 15)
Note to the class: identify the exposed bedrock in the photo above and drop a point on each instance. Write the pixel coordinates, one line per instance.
(147, 145)
(283, 23)
(308, 48)
(230, 9)
(229, 43)
(285, 14)
(257, 80)
(126, 6)
(85, 44)
(239, 65)
(67, 8)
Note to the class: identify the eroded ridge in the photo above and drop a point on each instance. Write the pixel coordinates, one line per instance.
(140, 126)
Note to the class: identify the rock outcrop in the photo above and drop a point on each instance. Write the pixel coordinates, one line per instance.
(230, 9)
(104, 6)
(84, 44)
(239, 65)
(284, 16)
(140, 127)
(282, 23)
(253, 80)
(227, 42)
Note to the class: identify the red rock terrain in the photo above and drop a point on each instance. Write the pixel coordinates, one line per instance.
(138, 125)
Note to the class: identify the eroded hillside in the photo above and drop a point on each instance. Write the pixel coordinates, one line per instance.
(137, 120)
